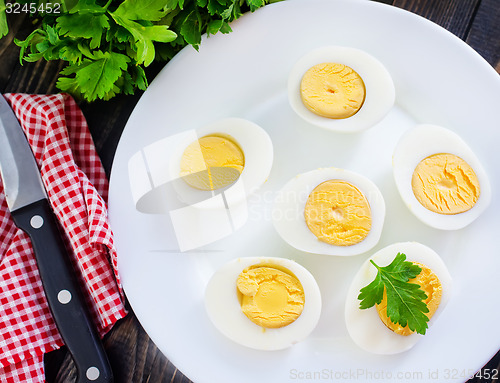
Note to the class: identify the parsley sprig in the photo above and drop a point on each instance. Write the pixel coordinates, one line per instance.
(405, 301)
(107, 44)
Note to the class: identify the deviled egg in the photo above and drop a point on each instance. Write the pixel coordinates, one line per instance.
(371, 328)
(330, 211)
(341, 89)
(265, 303)
(439, 177)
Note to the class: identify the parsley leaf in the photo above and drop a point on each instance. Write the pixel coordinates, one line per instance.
(232, 12)
(191, 30)
(405, 300)
(84, 25)
(143, 35)
(152, 10)
(4, 28)
(86, 6)
(254, 4)
(95, 77)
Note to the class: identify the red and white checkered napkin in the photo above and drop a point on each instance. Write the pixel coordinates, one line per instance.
(77, 188)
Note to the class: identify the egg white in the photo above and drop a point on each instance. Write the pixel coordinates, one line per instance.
(380, 91)
(257, 148)
(425, 140)
(365, 326)
(290, 202)
(224, 309)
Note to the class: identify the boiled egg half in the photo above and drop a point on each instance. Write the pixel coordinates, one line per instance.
(341, 89)
(232, 155)
(440, 178)
(330, 211)
(367, 326)
(264, 303)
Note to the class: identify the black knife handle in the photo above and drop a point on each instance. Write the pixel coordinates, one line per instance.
(63, 295)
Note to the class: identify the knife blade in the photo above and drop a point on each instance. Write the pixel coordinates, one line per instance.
(31, 211)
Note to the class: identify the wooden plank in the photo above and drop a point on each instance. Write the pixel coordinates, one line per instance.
(453, 15)
(484, 34)
(134, 357)
(38, 77)
(9, 53)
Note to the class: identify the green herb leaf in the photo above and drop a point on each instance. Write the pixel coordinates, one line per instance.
(372, 294)
(4, 27)
(214, 26)
(151, 10)
(225, 28)
(143, 37)
(405, 300)
(85, 25)
(254, 4)
(172, 4)
(95, 78)
(214, 7)
(41, 44)
(71, 53)
(86, 6)
(191, 29)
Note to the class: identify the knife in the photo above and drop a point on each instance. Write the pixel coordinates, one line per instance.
(30, 209)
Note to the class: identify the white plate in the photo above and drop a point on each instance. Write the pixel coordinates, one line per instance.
(438, 79)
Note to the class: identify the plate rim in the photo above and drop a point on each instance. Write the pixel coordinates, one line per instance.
(373, 4)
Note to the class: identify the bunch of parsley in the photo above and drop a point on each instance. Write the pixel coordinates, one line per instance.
(107, 44)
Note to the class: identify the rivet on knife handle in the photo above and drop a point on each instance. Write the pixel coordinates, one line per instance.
(66, 303)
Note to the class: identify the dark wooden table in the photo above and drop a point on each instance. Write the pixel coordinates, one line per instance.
(133, 356)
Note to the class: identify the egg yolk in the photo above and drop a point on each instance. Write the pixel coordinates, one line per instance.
(270, 297)
(445, 184)
(332, 90)
(211, 163)
(429, 282)
(338, 213)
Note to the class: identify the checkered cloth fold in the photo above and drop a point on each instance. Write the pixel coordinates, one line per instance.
(77, 189)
